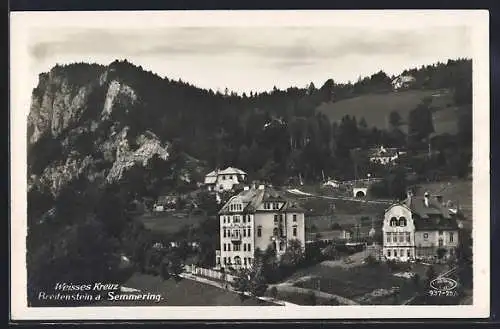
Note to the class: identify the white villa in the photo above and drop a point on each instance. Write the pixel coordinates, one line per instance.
(224, 180)
(257, 217)
(417, 227)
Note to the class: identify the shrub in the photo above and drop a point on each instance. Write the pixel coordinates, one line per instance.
(311, 298)
(370, 260)
(273, 292)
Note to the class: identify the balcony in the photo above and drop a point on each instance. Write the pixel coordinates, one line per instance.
(235, 238)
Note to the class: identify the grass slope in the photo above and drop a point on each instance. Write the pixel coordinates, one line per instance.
(375, 108)
(182, 293)
(168, 223)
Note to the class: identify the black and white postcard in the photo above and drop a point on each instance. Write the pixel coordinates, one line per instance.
(249, 165)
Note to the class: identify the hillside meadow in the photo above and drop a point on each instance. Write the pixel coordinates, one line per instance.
(376, 107)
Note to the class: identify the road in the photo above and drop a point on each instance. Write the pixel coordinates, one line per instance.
(304, 194)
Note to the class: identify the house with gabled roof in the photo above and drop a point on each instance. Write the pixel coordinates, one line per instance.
(225, 179)
(418, 227)
(257, 217)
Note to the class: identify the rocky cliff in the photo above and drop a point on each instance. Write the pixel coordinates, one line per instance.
(78, 125)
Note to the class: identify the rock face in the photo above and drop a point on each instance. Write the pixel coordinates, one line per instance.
(126, 158)
(81, 110)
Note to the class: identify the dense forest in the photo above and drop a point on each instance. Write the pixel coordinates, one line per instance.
(275, 136)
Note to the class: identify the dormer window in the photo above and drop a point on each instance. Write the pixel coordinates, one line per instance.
(393, 222)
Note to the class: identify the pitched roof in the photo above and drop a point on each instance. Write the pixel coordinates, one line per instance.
(433, 216)
(383, 152)
(231, 170)
(253, 198)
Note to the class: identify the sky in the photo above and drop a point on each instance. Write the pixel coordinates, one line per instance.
(245, 59)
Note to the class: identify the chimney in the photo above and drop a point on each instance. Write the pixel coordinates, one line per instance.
(426, 199)
(409, 195)
(246, 188)
(261, 187)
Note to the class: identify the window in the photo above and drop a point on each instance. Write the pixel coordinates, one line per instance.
(236, 219)
(408, 237)
(282, 245)
(244, 233)
(244, 247)
(249, 247)
(228, 247)
(440, 242)
(295, 231)
(451, 236)
(281, 218)
(225, 260)
(249, 261)
(224, 219)
(294, 217)
(224, 247)
(275, 231)
(244, 219)
(237, 260)
(401, 252)
(245, 261)
(402, 221)
(408, 253)
(236, 247)
(248, 218)
(275, 218)
(248, 232)
(395, 253)
(388, 236)
(393, 222)
(225, 235)
(426, 236)
(394, 237)
(401, 237)
(388, 253)
(259, 231)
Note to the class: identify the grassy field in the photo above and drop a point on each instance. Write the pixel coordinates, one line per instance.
(182, 293)
(168, 223)
(375, 108)
(354, 283)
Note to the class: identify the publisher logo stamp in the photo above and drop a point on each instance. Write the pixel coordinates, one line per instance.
(443, 287)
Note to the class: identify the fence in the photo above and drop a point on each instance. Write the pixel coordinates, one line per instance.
(209, 273)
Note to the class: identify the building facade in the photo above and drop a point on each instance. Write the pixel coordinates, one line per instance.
(224, 180)
(258, 217)
(417, 228)
(383, 156)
